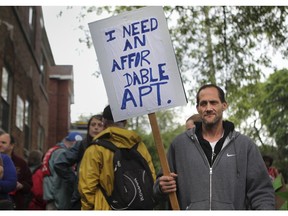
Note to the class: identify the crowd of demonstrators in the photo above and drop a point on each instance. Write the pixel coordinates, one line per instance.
(20, 196)
(74, 155)
(213, 166)
(57, 191)
(190, 122)
(35, 164)
(96, 168)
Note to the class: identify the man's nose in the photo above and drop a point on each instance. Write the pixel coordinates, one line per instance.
(208, 107)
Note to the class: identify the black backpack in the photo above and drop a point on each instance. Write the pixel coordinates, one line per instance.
(133, 181)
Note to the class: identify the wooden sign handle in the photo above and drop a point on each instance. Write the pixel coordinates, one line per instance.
(162, 156)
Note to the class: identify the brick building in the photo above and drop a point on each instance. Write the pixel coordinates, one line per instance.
(35, 94)
(60, 96)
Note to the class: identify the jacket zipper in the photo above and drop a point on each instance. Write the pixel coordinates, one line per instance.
(211, 169)
(210, 201)
(210, 179)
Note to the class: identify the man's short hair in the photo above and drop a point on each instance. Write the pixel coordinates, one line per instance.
(220, 93)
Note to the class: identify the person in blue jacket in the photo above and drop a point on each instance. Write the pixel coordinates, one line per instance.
(8, 181)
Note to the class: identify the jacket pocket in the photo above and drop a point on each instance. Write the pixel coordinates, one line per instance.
(199, 205)
(216, 205)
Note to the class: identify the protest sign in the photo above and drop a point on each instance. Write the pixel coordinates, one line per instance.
(139, 69)
(137, 62)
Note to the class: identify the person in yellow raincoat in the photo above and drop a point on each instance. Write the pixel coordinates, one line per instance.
(96, 166)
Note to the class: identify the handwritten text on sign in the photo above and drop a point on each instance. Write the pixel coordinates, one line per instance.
(140, 61)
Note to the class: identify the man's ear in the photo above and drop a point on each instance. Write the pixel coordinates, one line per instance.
(225, 106)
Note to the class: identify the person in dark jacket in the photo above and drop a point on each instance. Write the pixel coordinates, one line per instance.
(58, 191)
(8, 181)
(22, 192)
(214, 167)
(74, 155)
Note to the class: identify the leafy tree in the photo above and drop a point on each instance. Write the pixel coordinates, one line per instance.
(273, 109)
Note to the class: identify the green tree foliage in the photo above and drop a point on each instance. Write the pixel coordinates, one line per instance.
(166, 137)
(273, 109)
(167, 126)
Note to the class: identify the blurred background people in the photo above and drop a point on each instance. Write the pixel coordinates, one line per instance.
(273, 171)
(21, 194)
(57, 191)
(35, 164)
(190, 122)
(74, 156)
(8, 181)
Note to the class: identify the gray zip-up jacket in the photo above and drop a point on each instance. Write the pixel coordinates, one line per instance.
(238, 178)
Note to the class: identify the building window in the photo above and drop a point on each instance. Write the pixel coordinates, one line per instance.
(43, 70)
(5, 84)
(5, 99)
(41, 23)
(41, 138)
(27, 124)
(31, 17)
(20, 113)
(32, 24)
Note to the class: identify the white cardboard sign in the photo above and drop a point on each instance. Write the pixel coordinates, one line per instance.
(137, 62)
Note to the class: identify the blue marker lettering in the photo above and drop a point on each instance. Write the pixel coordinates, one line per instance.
(110, 36)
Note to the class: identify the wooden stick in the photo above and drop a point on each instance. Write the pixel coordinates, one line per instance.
(162, 156)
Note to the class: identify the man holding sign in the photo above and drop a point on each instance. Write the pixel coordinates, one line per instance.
(213, 166)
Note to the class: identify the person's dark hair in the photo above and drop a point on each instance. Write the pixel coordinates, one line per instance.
(268, 159)
(12, 139)
(35, 158)
(108, 119)
(100, 118)
(220, 92)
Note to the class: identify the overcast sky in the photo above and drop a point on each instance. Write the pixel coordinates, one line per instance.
(89, 92)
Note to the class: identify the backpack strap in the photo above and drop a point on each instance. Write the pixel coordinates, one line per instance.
(109, 145)
(106, 144)
(45, 168)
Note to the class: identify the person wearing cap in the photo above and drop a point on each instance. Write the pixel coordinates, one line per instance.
(97, 163)
(58, 191)
(74, 156)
